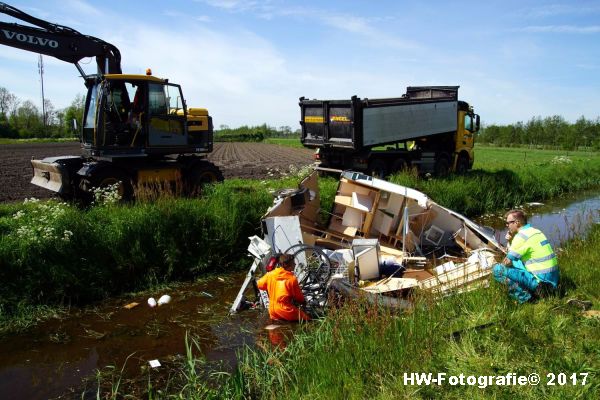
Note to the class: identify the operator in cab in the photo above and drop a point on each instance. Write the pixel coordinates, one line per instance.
(282, 286)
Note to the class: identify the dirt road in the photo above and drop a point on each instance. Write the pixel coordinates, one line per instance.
(243, 160)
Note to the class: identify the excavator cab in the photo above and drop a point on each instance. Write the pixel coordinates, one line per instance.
(141, 114)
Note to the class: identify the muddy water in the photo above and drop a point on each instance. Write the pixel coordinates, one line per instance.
(58, 354)
(52, 359)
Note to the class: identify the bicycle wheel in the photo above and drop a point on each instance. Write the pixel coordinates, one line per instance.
(312, 264)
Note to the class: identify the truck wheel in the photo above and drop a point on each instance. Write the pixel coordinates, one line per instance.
(378, 169)
(442, 166)
(399, 166)
(462, 164)
(201, 174)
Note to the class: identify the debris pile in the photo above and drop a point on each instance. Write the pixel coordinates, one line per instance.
(381, 241)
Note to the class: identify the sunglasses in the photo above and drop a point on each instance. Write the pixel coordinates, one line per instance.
(510, 222)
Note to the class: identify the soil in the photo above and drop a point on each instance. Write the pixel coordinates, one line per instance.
(236, 160)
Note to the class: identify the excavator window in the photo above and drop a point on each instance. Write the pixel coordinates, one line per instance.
(157, 100)
(166, 125)
(89, 122)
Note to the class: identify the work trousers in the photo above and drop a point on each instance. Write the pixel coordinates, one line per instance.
(521, 283)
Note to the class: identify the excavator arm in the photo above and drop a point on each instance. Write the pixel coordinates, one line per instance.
(58, 41)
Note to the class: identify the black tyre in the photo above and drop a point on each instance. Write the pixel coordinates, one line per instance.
(462, 164)
(200, 174)
(399, 166)
(378, 169)
(106, 178)
(442, 166)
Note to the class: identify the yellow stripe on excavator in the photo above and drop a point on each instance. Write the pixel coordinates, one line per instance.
(134, 77)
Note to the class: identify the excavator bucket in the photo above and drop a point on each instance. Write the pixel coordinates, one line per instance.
(51, 175)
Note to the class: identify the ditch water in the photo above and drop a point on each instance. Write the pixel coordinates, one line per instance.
(562, 219)
(52, 359)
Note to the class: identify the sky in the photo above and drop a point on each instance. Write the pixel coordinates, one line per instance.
(249, 61)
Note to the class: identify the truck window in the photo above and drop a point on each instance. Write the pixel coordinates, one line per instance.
(469, 122)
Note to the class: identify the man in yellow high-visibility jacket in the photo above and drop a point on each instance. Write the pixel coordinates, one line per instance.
(531, 266)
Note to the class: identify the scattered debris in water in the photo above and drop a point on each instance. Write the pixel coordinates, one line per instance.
(164, 299)
(535, 204)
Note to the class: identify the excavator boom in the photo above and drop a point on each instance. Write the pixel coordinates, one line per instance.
(58, 41)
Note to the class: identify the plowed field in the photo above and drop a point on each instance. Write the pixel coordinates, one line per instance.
(243, 160)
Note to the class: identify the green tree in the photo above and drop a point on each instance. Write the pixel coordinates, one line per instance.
(27, 120)
(8, 102)
(73, 112)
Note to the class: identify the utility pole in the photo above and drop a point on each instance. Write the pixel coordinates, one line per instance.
(41, 71)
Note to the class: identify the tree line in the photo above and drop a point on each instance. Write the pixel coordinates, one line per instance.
(24, 120)
(550, 132)
(253, 133)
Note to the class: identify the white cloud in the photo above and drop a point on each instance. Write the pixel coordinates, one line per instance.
(235, 5)
(552, 10)
(561, 29)
(81, 7)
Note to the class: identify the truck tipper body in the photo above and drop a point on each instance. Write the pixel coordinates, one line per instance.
(427, 128)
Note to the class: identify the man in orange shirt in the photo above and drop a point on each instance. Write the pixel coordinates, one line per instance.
(282, 287)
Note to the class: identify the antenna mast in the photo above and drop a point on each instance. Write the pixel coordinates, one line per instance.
(41, 71)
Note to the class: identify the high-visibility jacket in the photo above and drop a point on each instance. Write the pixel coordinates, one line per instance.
(532, 247)
(282, 287)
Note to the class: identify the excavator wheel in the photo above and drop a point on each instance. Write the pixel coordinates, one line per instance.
(105, 178)
(202, 173)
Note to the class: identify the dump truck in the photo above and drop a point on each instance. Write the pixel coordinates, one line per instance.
(137, 129)
(427, 128)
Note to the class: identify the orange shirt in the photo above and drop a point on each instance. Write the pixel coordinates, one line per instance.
(282, 287)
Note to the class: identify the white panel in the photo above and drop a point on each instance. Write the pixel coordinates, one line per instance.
(353, 218)
(368, 264)
(362, 202)
(283, 232)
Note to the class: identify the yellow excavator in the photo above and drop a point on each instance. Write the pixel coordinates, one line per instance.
(136, 128)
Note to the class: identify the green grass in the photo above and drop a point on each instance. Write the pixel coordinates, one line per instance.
(495, 158)
(288, 142)
(51, 253)
(37, 140)
(504, 182)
